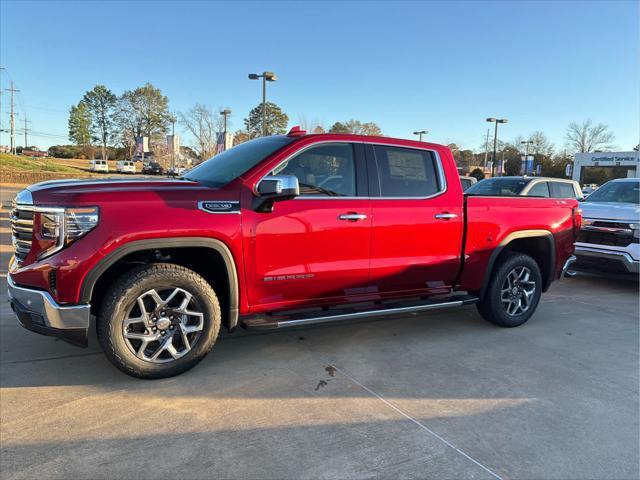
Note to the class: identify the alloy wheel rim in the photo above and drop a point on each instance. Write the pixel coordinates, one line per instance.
(163, 325)
(517, 291)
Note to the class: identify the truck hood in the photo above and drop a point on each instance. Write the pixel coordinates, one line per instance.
(96, 191)
(627, 212)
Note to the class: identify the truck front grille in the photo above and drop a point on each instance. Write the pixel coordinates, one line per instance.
(599, 233)
(21, 231)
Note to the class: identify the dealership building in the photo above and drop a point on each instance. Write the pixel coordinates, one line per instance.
(598, 166)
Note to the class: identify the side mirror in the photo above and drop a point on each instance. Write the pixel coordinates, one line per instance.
(275, 188)
(279, 185)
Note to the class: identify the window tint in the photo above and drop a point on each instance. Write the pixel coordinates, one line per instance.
(323, 170)
(563, 190)
(406, 172)
(539, 190)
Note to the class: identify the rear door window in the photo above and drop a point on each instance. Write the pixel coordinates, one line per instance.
(406, 172)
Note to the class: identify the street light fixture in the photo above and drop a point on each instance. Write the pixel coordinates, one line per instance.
(420, 133)
(266, 77)
(495, 139)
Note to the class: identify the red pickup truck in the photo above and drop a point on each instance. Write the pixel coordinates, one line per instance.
(281, 231)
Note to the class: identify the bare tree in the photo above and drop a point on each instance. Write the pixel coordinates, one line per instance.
(587, 137)
(201, 122)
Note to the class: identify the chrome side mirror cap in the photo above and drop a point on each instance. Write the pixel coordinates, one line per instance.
(279, 186)
(275, 188)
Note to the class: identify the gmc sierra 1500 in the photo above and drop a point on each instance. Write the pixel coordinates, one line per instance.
(280, 231)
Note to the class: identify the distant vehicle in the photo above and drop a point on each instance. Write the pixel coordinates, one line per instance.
(177, 170)
(609, 240)
(99, 166)
(125, 166)
(152, 168)
(545, 187)
(468, 182)
(589, 188)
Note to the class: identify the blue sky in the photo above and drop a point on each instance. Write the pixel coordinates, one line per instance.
(439, 66)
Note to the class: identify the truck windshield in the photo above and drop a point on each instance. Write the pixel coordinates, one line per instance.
(224, 167)
(617, 192)
(499, 187)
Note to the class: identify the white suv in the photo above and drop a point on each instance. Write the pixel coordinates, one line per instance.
(609, 240)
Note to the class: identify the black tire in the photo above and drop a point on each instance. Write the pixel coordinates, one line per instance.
(491, 306)
(122, 298)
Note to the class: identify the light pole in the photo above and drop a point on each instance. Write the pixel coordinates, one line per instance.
(526, 144)
(420, 133)
(225, 113)
(495, 139)
(266, 77)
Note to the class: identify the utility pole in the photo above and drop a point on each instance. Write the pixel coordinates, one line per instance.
(1, 130)
(12, 125)
(26, 131)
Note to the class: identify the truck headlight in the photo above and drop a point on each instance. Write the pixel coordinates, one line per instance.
(61, 227)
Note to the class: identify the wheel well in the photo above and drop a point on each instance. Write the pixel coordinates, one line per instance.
(206, 262)
(539, 245)
(538, 248)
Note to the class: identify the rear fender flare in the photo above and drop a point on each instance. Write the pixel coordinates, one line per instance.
(517, 236)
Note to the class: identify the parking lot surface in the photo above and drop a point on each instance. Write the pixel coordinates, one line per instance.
(436, 395)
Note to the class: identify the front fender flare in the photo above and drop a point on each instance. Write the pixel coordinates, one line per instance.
(90, 280)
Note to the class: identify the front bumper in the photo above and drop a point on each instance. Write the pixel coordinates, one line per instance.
(602, 260)
(38, 311)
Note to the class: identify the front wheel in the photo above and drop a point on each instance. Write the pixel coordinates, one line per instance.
(514, 290)
(158, 321)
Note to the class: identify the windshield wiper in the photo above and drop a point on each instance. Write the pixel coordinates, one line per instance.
(319, 189)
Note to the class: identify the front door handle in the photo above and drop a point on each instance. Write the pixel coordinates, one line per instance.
(352, 217)
(445, 216)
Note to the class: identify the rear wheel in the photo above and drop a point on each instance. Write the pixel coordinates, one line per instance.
(513, 292)
(158, 321)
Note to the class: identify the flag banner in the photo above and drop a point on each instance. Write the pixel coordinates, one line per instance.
(220, 142)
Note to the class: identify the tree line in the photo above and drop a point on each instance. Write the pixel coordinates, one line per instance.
(580, 137)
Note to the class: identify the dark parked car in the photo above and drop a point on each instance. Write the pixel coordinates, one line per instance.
(153, 168)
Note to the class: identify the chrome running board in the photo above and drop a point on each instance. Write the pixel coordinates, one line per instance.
(264, 322)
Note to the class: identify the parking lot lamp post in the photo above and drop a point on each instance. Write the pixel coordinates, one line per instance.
(495, 140)
(266, 77)
(420, 133)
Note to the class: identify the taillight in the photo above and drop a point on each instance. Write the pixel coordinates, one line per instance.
(577, 221)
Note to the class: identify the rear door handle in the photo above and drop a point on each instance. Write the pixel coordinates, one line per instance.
(353, 217)
(445, 216)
